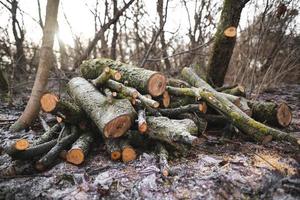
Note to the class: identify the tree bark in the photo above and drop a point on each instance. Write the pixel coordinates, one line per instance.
(223, 45)
(255, 129)
(114, 119)
(172, 131)
(33, 106)
(146, 81)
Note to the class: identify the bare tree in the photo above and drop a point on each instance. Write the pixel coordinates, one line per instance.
(45, 63)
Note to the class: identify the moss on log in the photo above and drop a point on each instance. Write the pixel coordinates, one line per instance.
(106, 74)
(172, 131)
(238, 90)
(255, 129)
(112, 119)
(77, 154)
(271, 113)
(143, 80)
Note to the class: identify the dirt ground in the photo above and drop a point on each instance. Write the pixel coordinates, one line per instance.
(221, 168)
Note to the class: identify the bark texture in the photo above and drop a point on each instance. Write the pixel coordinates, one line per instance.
(223, 45)
(144, 80)
(45, 64)
(112, 119)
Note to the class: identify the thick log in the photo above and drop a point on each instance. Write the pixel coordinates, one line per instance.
(271, 113)
(172, 131)
(142, 123)
(114, 119)
(17, 146)
(77, 154)
(143, 80)
(48, 135)
(163, 156)
(106, 74)
(255, 129)
(69, 112)
(128, 152)
(113, 148)
(48, 159)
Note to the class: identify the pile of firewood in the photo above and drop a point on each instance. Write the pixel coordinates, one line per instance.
(131, 107)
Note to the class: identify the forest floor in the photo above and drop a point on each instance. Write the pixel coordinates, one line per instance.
(222, 168)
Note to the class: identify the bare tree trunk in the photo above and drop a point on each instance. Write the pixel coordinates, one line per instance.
(224, 44)
(162, 18)
(45, 63)
(113, 50)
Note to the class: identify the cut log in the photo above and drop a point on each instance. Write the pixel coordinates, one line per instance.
(163, 155)
(109, 95)
(106, 74)
(48, 159)
(128, 152)
(177, 83)
(67, 111)
(255, 129)
(114, 119)
(35, 151)
(77, 154)
(120, 88)
(48, 135)
(172, 131)
(192, 92)
(143, 80)
(17, 146)
(164, 100)
(113, 148)
(200, 122)
(142, 123)
(239, 90)
(271, 113)
(131, 92)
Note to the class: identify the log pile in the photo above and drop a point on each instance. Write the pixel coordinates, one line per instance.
(129, 108)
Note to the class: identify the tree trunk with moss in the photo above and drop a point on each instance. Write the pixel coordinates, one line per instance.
(224, 43)
(256, 130)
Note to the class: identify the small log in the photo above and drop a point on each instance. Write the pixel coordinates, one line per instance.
(172, 112)
(44, 124)
(77, 154)
(48, 135)
(148, 101)
(239, 90)
(17, 146)
(177, 83)
(120, 88)
(271, 113)
(109, 95)
(172, 131)
(255, 129)
(113, 148)
(163, 156)
(48, 159)
(142, 123)
(69, 112)
(128, 152)
(164, 100)
(34, 151)
(113, 120)
(143, 80)
(192, 92)
(106, 74)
